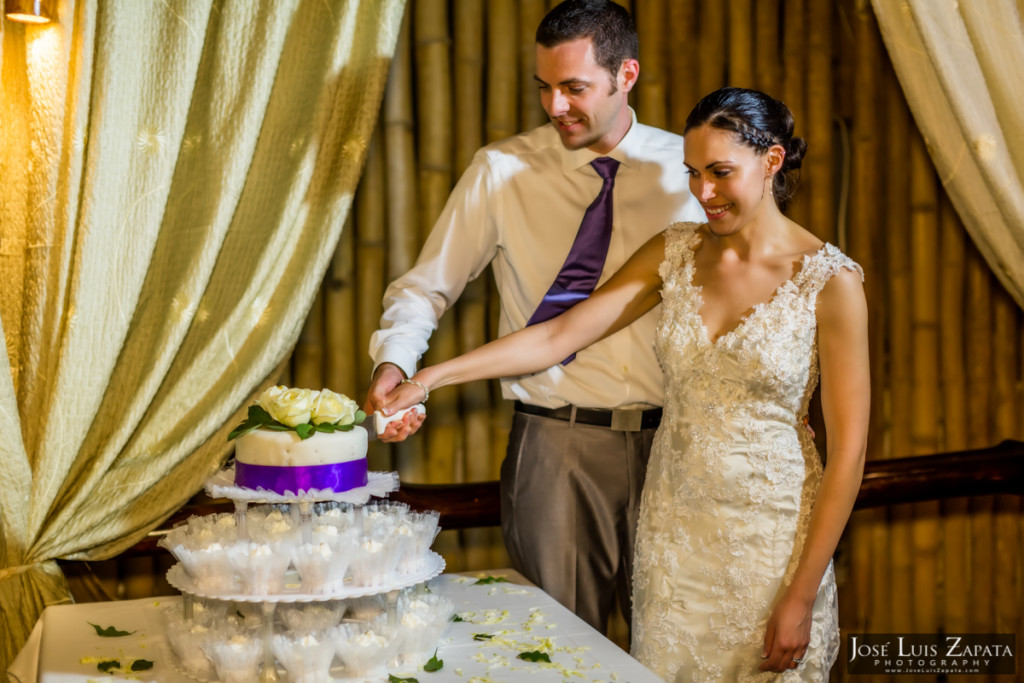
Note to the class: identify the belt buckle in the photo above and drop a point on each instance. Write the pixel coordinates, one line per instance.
(627, 420)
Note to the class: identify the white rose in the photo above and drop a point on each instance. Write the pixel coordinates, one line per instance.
(291, 407)
(333, 408)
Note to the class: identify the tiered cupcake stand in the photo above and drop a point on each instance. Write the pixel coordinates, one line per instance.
(388, 585)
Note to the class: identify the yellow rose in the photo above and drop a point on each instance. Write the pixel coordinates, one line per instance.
(291, 407)
(333, 408)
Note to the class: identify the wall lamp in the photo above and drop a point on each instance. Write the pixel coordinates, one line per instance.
(30, 11)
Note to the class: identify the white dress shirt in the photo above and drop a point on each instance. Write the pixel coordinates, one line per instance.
(518, 207)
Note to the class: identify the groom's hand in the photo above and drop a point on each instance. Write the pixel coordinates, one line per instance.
(386, 378)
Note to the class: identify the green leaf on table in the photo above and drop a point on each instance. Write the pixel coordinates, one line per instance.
(483, 580)
(395, 679)
(457, 619)
(109, 632)
(534, 656)
(482, 636)
(434, 664)
(109, 665)
(141, 665)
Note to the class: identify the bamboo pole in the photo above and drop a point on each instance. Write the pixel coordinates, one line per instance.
(502, 74)
(402, 220)
(899, 330)
(1007, 509)
(308, 355)
(683, 62)
(370, 267)
(925, 417)
(712, 39)
(794, 82)
(979, 373)
(768, 56)
(399, 145)
(862, 245)
(650, 91)
(955, 522)
(531, 114)
(342, 352)
(741, 44)
(434, 142)
(817, 126)
(474, 397)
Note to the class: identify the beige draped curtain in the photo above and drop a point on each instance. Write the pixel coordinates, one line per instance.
(174, 177)
(960, 67)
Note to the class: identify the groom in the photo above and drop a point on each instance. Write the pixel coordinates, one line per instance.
(528, 206)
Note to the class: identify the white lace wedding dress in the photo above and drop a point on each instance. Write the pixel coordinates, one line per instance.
(731, 481)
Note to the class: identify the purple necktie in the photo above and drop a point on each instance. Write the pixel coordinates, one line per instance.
(582, 268)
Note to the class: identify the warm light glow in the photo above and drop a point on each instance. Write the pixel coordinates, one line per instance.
(28, 18)
(29, 11)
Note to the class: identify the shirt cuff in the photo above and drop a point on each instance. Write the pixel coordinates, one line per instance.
(403, 359)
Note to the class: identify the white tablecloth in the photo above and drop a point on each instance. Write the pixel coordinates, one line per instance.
(65, 649)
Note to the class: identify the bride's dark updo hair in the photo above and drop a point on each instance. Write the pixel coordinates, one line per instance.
(758, 121)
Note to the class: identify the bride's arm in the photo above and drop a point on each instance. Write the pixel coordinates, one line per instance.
(845, 398)
(631, 292)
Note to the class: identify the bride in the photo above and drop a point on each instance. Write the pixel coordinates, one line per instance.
(739, 519)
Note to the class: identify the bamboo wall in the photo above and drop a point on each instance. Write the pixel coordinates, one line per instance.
(944, 335)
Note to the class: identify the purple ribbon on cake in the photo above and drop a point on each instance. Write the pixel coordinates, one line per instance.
(340, 476)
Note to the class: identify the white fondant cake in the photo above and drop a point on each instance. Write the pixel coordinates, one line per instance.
(286, 449)
(280, 461)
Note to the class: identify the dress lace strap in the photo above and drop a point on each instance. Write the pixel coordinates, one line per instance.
(680, 241)
(823, 266)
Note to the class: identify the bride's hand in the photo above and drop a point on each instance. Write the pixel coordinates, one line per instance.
(787, 634)
(407, 394)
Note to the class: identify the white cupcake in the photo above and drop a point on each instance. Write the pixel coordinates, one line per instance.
(305, 658)
(260, 566)
(374, 562)
(237, 659)
(311, 618)
(422, 620)
(364, 650)
(185, 639)
(209, 567)
(321, 569)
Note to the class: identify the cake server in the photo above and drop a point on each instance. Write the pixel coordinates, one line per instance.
(379, 421)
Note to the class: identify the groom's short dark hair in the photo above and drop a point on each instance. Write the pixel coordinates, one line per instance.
(607, 24)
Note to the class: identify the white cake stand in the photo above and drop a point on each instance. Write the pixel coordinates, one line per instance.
(379, 484)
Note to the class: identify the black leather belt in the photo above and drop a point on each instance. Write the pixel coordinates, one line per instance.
(620, 420)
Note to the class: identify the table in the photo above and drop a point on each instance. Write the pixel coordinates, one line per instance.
(520, 617)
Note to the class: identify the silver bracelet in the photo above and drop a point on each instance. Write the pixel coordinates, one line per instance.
(426, 392)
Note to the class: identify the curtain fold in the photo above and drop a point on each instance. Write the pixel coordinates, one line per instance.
(959, 66)
(175, 179)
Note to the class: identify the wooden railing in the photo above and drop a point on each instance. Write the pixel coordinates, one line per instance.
(995, 470)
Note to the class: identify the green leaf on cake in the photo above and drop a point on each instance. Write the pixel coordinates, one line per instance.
(259, 415)
(242, 430)
(305, 430)
(434, 664)
(534, 656)
(109, 631)
(326, 427)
